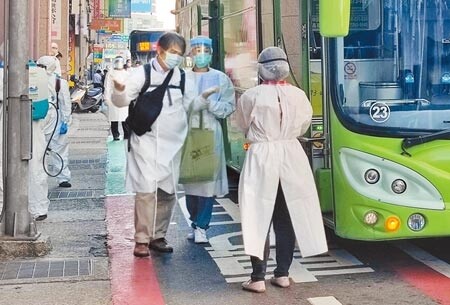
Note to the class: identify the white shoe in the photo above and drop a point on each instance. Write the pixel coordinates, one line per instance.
(200, 236)
(282, 281)
(190, 235)
(257, 287)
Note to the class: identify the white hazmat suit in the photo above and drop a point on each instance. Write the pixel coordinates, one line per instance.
(219, 105)
(58, 116)
(38, 201)
(155, 155)
(272, 116)
(154, 158)
(115, 114)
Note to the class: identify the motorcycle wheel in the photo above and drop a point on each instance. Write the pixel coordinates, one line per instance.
(94, 109)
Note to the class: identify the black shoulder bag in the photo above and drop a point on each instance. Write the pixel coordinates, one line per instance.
(144, 111)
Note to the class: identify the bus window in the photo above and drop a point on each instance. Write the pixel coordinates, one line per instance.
(240, 43)
(395, 75)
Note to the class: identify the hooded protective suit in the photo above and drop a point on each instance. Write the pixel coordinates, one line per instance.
(272, 116)
(115, 114)
(59, 142)
(218, 106)
(38, 201)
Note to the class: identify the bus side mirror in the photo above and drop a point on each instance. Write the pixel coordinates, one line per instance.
(334, 17)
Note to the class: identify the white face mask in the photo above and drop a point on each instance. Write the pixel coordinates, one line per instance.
(172, 60)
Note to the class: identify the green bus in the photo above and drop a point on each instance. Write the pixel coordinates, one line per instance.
(378, 77)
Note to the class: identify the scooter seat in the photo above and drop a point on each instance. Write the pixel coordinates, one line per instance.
(94, 91)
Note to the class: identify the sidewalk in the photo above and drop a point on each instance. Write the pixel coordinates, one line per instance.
(76, 270)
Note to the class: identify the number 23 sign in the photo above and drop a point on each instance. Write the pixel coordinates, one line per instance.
(379, 112)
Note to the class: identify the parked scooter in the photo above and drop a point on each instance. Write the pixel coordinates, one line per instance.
(85, 98)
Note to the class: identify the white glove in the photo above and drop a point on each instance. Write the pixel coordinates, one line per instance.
(210, 91)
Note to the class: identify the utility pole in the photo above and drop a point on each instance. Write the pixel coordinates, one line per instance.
(17, 223)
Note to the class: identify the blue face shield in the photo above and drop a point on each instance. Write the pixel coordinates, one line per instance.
(201, 50)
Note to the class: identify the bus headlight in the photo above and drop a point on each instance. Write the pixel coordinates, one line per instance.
(398, 186)
(392, 224)
(371, 218)
(416, 222)
(371, 176)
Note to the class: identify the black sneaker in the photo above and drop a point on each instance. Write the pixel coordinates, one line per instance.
(41, 217)
(65, 184)
(160, 245)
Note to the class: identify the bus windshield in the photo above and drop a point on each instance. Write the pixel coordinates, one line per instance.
(393, 69)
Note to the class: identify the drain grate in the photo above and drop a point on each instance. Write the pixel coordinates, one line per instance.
(87, 166)
(87, 161)
(75, 194)
(46, 269)
(99, 141)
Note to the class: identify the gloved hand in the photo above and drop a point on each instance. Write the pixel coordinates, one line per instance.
(209, 91)
(64, 128)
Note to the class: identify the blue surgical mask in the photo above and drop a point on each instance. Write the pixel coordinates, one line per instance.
(202, 60)
(172, 60)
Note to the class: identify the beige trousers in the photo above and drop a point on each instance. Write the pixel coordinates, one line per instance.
(145, 206)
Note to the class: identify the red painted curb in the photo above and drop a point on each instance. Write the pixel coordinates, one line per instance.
(133, 280)
(430, 282)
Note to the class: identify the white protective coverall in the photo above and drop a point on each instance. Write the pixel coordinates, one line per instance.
(276, 156)
(59, 142)
(154, 159)
(219, 106)
(38, 201)
(115, 114)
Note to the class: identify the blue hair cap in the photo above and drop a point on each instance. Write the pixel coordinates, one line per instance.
(201, 40)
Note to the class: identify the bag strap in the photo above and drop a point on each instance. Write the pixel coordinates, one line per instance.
(182, 81)
(147, 84)
(167, 79)
(148, 78)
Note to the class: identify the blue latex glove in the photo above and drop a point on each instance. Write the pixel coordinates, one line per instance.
(64, 128)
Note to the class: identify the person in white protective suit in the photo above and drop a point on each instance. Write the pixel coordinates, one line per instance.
(276, 183)
(154, 157)
(54, 51)
(57, 120)
(200, 196)
(38, 201)
(116, 114)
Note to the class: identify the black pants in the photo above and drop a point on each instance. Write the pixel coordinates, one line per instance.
(115, 130)
(284, 239)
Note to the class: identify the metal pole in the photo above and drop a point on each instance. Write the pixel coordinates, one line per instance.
(18, 223)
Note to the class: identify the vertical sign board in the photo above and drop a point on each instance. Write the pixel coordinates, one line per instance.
(72, 46)
(98, 9)
(119, 8)
(55, 19)
(98, 53)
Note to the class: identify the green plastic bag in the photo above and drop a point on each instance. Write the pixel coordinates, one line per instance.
(199, 162)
